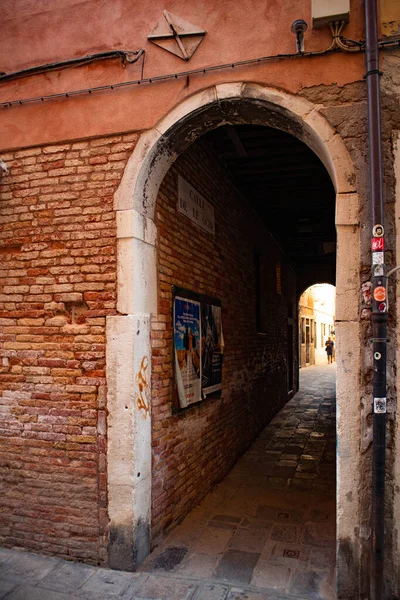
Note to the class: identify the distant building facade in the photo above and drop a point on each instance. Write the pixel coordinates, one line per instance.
(316, 324)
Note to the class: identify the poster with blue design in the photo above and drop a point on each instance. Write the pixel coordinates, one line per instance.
(187, 351)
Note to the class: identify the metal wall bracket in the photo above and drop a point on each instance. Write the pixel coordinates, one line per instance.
(176, 35)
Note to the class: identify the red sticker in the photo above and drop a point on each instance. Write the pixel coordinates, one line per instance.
(380, 293)
(377, 244)
(382, 307)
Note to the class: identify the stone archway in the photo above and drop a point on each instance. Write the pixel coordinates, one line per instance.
(128, 334)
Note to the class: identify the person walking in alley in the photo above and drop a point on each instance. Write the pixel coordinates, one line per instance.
(329, 345)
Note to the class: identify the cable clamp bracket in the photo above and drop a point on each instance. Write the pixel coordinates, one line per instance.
(373, 72)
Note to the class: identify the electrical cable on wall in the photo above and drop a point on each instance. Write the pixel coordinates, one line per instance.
(338, 44)
(126, 56)
(158, 78)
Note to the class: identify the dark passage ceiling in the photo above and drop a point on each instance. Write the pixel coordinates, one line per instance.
(288, 186)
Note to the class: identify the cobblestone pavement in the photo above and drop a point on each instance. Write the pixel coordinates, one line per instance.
(266, 532)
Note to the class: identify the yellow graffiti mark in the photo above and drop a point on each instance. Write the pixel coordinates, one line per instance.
(143, 385)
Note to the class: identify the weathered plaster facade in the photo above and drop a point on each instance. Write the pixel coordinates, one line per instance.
(76, 155)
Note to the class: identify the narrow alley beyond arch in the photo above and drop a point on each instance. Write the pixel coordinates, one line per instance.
(270, 524)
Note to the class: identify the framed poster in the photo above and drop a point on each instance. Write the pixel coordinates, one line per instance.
(211, 348)
(198, 347)
(187, 350)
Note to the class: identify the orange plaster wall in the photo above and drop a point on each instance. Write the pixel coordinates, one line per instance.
(40, 31)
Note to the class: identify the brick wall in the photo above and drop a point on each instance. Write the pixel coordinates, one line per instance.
(57, 276)
(195, 448)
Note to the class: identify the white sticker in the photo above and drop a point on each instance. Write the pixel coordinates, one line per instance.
(379, 406)
(378, 271)
(378, 258)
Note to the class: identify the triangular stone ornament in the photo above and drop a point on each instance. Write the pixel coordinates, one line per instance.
(176, 35)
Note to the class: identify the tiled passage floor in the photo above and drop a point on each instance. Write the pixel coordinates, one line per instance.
(269, 527)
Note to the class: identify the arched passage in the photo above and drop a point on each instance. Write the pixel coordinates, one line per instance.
(129, 351)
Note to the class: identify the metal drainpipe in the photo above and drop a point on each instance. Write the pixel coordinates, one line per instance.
(379, 303)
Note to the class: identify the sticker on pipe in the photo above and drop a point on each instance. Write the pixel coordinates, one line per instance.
(380, 293)
(379, 406)
(378, 231)
(382, 307)
(378, 258)
(377, 243)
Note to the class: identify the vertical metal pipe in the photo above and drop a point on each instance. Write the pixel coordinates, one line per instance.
(379, 302)
(374, 110)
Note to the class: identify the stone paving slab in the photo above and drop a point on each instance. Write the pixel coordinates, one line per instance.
(268, 575)
(164, 589)
(237, 566)
(212, 592)
(6, 586)
(199, 565)
(4, 554)
(250, 540)
(213, 540)
(290, 555)
(111, 584)
(21, 566)
(29, 592)
(308, 583)
(67, 578)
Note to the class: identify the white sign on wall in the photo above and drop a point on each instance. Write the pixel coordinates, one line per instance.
(194, 206)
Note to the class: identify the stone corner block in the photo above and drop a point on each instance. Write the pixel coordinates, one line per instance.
(229, 91)
(128, 223)
(283, 101)
(319, 125)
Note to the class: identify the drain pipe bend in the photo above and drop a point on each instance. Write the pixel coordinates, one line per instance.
(379, 302)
